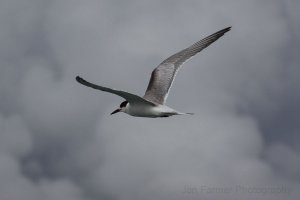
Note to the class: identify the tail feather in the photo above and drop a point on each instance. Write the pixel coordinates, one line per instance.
(190, 113)
(185, 113)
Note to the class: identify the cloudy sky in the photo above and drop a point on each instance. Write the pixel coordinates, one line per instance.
(58, 141)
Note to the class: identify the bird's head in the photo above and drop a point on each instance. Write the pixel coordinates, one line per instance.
(122, 107)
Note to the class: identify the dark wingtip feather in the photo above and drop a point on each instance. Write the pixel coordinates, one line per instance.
(80, 80)
(229, 28)
(225, 30)
(221, 32)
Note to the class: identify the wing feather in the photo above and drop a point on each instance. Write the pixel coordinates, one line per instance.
(163, 75)
(131, 98)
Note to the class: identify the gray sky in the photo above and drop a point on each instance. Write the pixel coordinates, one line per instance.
(58, 141)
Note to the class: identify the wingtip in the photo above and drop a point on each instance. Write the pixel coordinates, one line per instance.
(223, 31)
(78, 78)
(227, 29)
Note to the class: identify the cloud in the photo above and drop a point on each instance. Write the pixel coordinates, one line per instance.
(57, 140)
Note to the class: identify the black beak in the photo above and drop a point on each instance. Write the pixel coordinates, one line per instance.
(118, 110)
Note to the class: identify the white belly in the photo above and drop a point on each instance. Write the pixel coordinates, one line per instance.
(150, 111)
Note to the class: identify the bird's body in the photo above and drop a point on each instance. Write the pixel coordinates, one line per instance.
(150, 111)
(152, 104)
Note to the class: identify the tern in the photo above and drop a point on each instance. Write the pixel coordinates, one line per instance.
(152, 104)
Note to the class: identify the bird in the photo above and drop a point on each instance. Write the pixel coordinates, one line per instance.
(152, 104)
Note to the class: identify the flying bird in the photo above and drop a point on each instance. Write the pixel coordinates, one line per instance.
(152, 104)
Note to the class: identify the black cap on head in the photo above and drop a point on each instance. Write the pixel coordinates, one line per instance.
(123, 104)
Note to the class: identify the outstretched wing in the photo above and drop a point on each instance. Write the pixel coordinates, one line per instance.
(131, 98)
(163, 75)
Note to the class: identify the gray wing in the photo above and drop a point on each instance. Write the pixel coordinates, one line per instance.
(163, 75)
(131, 98)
